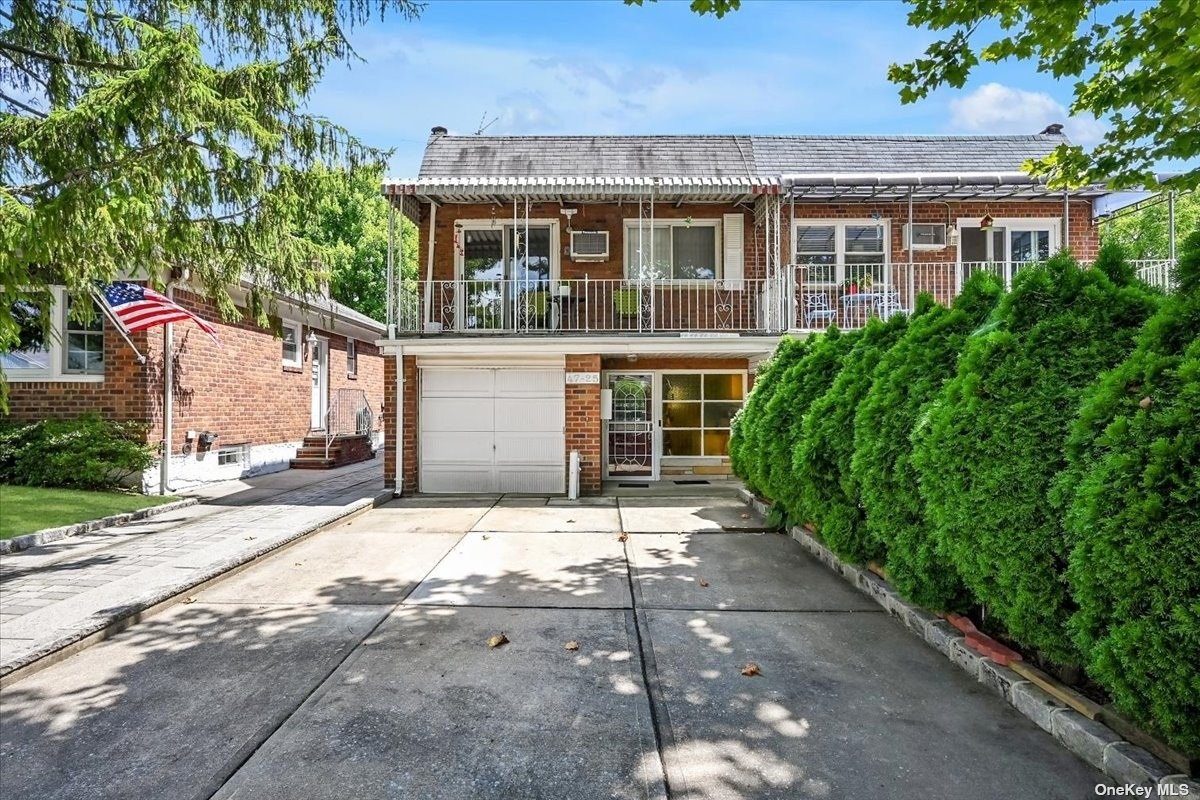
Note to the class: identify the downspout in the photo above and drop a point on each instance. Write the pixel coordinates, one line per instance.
(393, 304)
(164, 465)
(433, 207)
(399, 489)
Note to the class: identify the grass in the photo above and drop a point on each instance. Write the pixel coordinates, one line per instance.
(25, 509)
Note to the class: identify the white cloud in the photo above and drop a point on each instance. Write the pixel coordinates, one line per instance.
(996, 108)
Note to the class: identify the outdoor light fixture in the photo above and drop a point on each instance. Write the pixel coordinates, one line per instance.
(311, 341)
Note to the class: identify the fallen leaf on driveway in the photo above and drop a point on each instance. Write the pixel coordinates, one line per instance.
(485, 536)
(745, 516)
(570, 520)
(751, 669)
(189, 600)
(703, 583)
(299, 564)
(497, 641)
(571, 645)
(624, 537)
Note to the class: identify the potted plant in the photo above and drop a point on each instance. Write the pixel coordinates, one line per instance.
(850, 286)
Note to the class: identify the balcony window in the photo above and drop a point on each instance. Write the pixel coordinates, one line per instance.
(697, 409)
(834, 252)
(679, 250)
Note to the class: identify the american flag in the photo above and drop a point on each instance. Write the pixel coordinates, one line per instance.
(139, 308)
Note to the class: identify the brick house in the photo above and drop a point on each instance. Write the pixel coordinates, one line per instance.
(613, 295)
(243, 408)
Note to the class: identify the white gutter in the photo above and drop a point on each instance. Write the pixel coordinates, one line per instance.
(909, 179)
(399, 489)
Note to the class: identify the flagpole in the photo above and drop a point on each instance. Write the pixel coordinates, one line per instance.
(107, 312)
(168, 371)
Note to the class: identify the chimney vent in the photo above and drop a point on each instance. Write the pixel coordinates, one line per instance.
(438, 130)
(1053, 130)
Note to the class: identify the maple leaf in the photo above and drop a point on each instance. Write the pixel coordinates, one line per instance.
(498, 640)
(751, 669)
(571, 645)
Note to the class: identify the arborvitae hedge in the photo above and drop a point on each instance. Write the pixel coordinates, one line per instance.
(746, 441)
(825, 487)
(997, 433)
(1134, 517)
(907, 378)
(807, 380)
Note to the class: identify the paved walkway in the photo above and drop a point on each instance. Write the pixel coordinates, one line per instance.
(54, 595)
(356, 664)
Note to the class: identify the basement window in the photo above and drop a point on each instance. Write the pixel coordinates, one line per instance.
(233, 454)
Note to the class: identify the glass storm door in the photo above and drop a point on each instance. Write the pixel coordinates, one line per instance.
(320, 384)
(629, 433)
(505, 278)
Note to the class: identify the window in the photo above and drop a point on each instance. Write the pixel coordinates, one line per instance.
(672, 250)
(696, 412)
(291, 345)
(33, 351)
(83, 341)
(351, 358)
(835, 252)
(233, 454)
(1018, 240)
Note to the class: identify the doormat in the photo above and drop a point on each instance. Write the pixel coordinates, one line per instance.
(633, 485)
(691, 483)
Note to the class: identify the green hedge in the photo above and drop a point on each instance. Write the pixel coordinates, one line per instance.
(996, 439)
(1133, 497)
(824, 484)
(803, 383)
(83, 453)
(907, 378)
(746, 440)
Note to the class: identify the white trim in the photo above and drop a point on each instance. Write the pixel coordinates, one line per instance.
(284, 326)
(839, 243)
(522, 346)
(717, 224)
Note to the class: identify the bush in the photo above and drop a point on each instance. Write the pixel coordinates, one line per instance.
(83, 453)
(996, 439)
(1133, 514)
(800, 385)
(746, 442)
(907, 378)
(821, 458)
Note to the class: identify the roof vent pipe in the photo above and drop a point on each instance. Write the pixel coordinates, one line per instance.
(1052, 130)
(438, 130)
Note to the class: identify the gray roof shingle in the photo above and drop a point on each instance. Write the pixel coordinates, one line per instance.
(449, 156)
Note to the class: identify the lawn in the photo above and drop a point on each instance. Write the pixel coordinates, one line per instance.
(25, 509)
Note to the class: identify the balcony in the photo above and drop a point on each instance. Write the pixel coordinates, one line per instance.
(802, 297)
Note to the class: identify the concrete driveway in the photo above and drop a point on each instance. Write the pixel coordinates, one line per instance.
(355, 664)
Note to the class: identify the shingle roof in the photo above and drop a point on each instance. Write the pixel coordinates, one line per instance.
(448, 156)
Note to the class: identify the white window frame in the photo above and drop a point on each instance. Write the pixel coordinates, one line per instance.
(629, 229)
(56, 347)
(286, 325)
(1051, 225)
(659, 379)
(351, 358)
(461, 225)
(839, 244)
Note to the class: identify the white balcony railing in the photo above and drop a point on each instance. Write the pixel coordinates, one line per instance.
(801, 297)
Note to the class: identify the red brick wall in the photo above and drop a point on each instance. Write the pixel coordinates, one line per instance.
(583, 423)
(412, 386)
(239, 390)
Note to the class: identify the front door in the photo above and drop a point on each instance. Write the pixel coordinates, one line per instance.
(320, 384)
(629, 435)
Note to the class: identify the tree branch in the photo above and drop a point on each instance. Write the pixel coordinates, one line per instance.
(26, 108)
(66, 62)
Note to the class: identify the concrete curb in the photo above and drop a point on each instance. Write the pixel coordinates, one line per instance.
(101, 627)
(48, 535)
(1092, 741)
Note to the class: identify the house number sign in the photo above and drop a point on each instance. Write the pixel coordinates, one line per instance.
(583, 377)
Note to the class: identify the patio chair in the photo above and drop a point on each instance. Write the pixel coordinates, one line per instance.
(816, 307)
(888, 305)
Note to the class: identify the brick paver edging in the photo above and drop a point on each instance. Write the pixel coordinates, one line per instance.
(1094, 742)
(48, 535)
(117, 619)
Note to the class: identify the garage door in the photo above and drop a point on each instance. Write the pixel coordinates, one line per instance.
(492, 430)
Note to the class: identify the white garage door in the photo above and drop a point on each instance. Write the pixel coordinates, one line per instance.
(492, 430)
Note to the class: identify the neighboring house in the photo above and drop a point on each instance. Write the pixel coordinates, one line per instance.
(241, 408)
(613, 295)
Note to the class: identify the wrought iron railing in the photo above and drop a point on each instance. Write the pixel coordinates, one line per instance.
(349, 414)
(799, 297)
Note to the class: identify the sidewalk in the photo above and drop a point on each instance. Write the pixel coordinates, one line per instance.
(56, 595)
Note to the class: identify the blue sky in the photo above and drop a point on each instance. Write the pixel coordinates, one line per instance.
(598, 66)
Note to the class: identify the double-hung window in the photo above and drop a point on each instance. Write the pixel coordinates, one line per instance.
(842, 251)
(65, 350)
(686, 250)
(84, 341)
(292, 356)
(351, 358)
